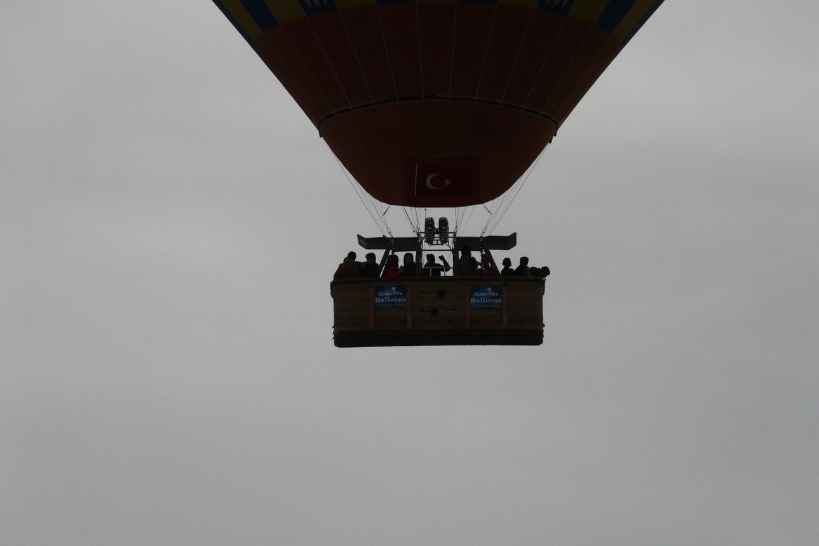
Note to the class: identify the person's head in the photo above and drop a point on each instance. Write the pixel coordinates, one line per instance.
(524, 260)
(370, 257)
(507, 262)
(430, 258)
(466, 252)
(393, 260)
(351, 256)
(409, 259)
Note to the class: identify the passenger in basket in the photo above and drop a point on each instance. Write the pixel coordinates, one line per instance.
(391, 269)
(370, 267)
(433, 269)
(488, 267)
(542, 272)
(466, 264)
(507, 268)
(523, 269)
(349, 267)
(409, 269)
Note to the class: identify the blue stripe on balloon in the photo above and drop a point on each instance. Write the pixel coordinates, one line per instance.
(260, 13)
(614, 12)
(642, 21)
(311, 7)
(557, 7)
(232, 20)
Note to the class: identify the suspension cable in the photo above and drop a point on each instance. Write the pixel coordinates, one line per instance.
(458, 215)
(517, 192)
(374, 215)
(384, 219)
(504, 206)
(468, 215)
(462, 221)
(489, 218)
(409, 220)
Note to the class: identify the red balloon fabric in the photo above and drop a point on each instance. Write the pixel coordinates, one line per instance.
(437, 103)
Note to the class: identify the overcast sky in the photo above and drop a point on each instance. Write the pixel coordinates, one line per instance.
(170, 221)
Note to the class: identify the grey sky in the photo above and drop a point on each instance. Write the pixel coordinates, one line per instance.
(170, 221)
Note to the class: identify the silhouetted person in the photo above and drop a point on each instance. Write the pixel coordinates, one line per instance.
(391, 269)
(507, 268)
(349, 267)
(370, 267)
(542, 272)
(466, 264)
(447, 267)
(433, 269)
(522, 270)
(410, 268)
(488, 267)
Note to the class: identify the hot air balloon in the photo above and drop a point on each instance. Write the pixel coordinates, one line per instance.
(437, 103)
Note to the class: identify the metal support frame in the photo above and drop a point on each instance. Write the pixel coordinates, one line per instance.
(484, 245)
(415, 244)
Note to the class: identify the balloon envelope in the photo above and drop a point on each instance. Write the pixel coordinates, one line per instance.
(437, 103)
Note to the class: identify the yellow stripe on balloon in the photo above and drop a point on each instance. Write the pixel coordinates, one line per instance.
(588, 10)
(242, 18)
(285, 10)
(634, 17)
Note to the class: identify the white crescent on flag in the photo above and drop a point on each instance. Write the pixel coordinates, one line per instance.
(436, 182)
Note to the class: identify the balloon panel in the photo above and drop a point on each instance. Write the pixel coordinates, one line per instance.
(397, 87)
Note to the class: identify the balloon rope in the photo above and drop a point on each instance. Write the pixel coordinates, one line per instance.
(415, 209)
(373, 215)
(464, 218)
(386, 222)
(468, 215)
(458, 214)
(503, 213)
(488, 218)
(492, 214)
(382, 216)
(409, 220)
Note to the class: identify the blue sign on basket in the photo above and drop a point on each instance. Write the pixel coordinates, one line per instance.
(390, 296)
(486, 297)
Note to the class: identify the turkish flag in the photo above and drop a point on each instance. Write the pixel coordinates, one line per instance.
(445, 182)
